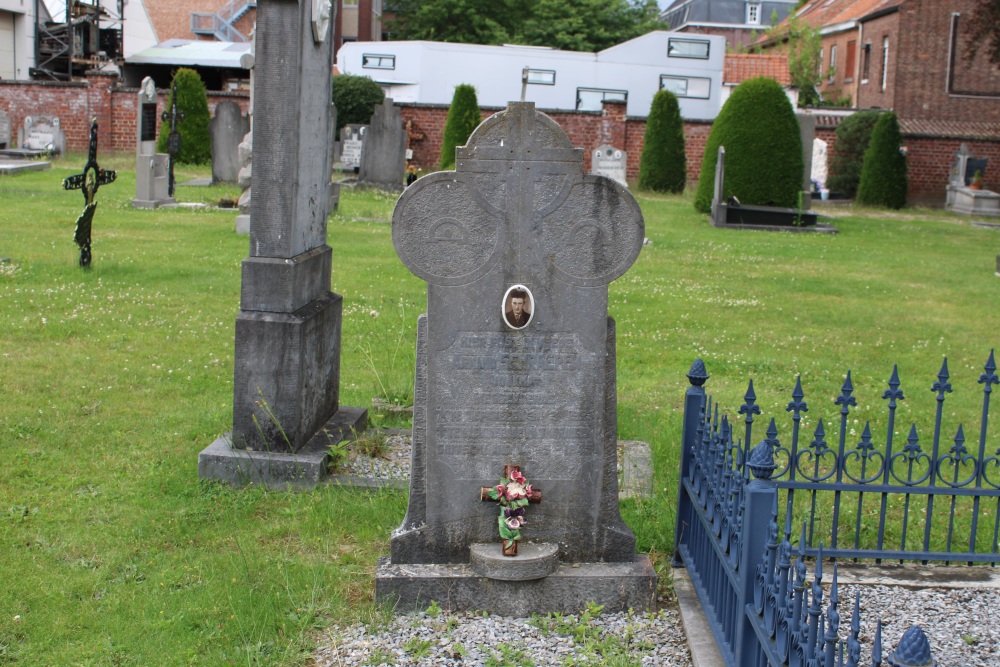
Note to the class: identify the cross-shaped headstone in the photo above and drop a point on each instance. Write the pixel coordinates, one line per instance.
(88, 182)
(518, 216)
(174, 138)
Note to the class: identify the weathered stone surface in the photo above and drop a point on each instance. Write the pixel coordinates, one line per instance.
(285, 285)
(383, 154)
(227, 130)
(42, 132)
(807, 132)
(352, 139)
(618, 586)
(4, 129)
(533, 561)
(518, 211)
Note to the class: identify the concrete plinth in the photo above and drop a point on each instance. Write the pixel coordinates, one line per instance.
(533, 561)
(976, 202)
(280, 470)
(457, 587)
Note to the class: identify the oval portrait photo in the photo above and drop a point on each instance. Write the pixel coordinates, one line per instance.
(518, 307)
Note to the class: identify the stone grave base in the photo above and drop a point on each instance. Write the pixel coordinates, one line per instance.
(976, 202)
(280, 470)
(458, 587)
(153, 203)
(11, 166)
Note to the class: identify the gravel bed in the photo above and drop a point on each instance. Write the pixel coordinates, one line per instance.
(469, 640)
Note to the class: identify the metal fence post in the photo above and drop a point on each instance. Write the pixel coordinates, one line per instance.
(694, 406)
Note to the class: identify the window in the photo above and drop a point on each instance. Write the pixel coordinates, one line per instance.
(849, 62)
(687, 86)
(832, 73)
(543, 77)
(687, 48)
(753, 13)
(866, 63)
(589, 99)
(376, 61)
(885, 60)
(819, 66)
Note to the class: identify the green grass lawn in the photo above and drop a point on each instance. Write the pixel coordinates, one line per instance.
(113, 553)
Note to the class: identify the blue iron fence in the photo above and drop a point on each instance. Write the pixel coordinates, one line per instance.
(727, 522)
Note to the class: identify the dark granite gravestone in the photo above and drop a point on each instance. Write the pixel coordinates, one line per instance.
(383, 155)
(227, 128)
(152, 179)
(286, 408)
(518, 216)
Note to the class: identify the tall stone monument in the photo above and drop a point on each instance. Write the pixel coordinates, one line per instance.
(286, 407)
(227, 129)
(383, 154)
(495, 388)
(152, 177)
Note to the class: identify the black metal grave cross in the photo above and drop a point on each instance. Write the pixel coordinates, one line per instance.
(88, 181)
(174, 138)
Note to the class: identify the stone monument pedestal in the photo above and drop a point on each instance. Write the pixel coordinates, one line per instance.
(151, 177)
(458, 587)
(985, 203)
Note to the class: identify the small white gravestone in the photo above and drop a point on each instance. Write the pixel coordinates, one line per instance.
(352, 139)
(609, 161)
(819, 168)
(42, 133)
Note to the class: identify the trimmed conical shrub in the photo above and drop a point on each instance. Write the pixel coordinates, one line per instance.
(196, 144)
(663, 167)
(355, 98)
(853, 135)
(463, 118)
(883, 174)
(757, 125)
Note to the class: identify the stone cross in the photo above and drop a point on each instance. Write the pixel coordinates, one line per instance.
(517, 214)
(88, 182)
(174, 138)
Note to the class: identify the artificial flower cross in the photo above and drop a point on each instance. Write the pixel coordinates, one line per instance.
(513, 493)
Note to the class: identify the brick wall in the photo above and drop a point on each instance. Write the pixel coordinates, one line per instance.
(171, 19)
(871, 94)
(76, 103)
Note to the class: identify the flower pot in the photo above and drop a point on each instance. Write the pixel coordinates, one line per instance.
(509, 547)
(975, 186)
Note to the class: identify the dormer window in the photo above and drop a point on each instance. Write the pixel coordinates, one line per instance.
(753, 13)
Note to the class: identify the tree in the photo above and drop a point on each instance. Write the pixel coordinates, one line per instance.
(853, 136)
(985, 28)
(663, 167)
(192, 101)
(802, 44)
(758, 128)
(355, 98)
(575, 25)
(883, 174)
(463, 118)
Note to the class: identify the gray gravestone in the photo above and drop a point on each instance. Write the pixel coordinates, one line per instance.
(4, 129)
(227, 129)
(287, 356)
(719, 189)
(42, 132)
(518, 213)
(352, 139)
(611, 162)
(245, 151)
(383, 156)
(807, 132)
(152, 175)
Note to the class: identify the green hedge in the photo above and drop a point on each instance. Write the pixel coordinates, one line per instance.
(663, 167)
(853, 135)
(463, 118)
(355, 98)
(758, 128)
(192, 100)
(883, 174)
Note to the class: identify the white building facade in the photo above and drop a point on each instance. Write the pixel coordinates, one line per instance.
(427, 72)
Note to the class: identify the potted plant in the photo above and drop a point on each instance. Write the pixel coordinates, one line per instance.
(977, 181)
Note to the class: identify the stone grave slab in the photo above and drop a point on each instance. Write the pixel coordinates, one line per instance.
(611, 162)
(42, 132)
(227, 129)
(383, 155)
(518, 216)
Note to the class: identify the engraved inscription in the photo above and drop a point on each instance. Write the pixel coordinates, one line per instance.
(500, 398)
